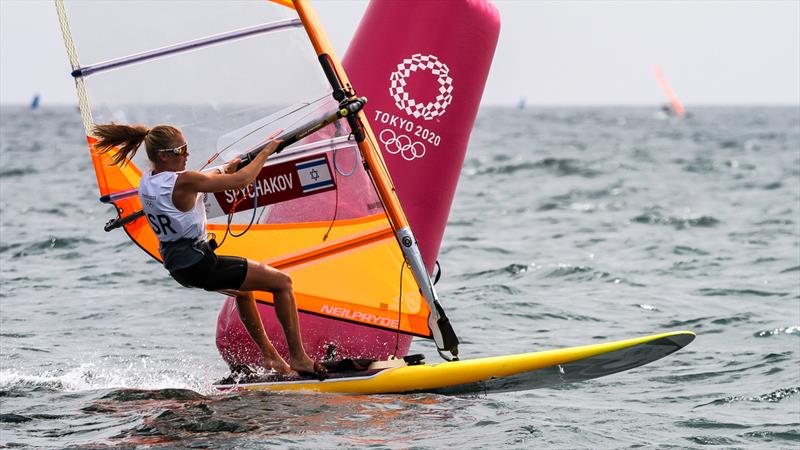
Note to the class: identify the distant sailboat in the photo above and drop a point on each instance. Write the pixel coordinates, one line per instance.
(675, 108)
(35, 102)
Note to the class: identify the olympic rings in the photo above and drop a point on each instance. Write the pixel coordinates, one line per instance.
(401, 144)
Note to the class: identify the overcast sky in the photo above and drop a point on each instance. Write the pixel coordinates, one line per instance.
(550, 53)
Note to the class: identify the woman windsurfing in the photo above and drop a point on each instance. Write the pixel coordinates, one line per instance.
(172, 200)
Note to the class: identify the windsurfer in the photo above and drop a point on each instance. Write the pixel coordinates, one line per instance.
(172, 200)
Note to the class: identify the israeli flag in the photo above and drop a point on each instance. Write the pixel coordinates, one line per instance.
(314, 174)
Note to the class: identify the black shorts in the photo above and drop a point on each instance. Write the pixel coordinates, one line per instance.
(213, 273)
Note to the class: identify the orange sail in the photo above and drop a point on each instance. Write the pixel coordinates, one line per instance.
(677, 106)
(324, 210)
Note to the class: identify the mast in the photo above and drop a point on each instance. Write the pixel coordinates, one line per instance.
(442, 332)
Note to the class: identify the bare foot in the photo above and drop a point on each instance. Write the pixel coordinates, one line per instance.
(307, 366)
(279, 366)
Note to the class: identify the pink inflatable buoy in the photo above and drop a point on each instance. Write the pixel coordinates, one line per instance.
(423, 66)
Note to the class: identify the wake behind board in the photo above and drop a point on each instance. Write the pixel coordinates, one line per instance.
(488, 375)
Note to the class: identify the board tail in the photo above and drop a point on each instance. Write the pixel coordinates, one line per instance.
(634, 353)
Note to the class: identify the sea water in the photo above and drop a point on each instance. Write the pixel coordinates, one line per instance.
(570, 226)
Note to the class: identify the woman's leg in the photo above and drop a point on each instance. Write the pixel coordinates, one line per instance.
(261, 277)
(248, 313)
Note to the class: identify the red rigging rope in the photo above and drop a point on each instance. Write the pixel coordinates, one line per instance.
(269, 138)
(275, 134)
(236, 202)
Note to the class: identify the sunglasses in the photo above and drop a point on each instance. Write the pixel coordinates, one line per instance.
(180, 151)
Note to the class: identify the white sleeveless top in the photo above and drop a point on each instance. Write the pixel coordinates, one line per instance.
(168, 222)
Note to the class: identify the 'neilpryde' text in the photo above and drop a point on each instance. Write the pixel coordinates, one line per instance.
(359, 316)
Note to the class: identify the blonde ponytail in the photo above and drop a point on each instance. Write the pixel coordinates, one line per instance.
(127, 139)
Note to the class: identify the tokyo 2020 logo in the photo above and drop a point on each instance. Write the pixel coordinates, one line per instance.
(420, 62)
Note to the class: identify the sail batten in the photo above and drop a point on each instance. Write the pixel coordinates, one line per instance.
(317, 254)
(185, 46)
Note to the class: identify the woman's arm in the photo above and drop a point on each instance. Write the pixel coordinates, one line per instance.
(190, 183)
(216, 182)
